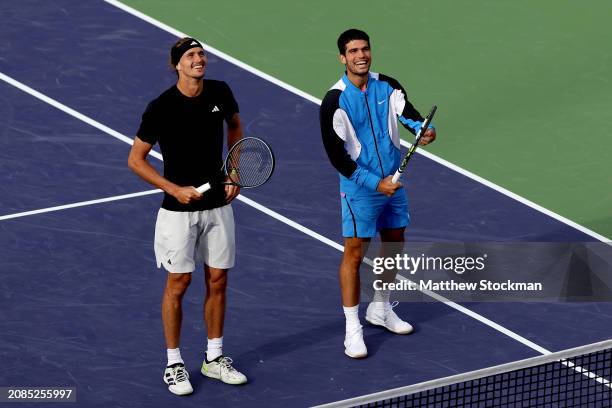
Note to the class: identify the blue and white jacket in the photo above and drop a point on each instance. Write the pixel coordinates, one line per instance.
(360, 130)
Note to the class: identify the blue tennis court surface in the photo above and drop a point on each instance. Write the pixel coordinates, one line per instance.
(80, 300)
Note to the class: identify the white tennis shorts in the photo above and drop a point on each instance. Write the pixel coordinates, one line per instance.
(183, 239)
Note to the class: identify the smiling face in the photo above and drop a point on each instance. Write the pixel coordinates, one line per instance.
(192, 63)
(357, 57)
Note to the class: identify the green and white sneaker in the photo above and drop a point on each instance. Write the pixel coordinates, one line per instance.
(221, 369)
(177, 379)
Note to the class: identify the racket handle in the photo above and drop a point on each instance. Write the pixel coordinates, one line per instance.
(203, 188)
(396, 176)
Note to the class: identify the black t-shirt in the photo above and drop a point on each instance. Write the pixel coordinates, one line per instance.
(190, 135)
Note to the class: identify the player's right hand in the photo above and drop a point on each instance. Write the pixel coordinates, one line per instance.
(186, 195)
(387, 186)
(428, 137)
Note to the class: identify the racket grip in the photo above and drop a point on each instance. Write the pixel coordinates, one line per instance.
(396, 176)
(203, 188)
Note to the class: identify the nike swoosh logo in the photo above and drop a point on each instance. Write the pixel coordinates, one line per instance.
(381, 102)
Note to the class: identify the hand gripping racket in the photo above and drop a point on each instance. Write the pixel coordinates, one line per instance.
(413, 148)
(249, 163)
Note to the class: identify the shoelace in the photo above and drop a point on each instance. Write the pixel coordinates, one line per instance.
(389, 309)
(390, 306)
(226, 363)
(180, 374)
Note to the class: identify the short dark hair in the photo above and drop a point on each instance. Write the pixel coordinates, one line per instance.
(350, 35)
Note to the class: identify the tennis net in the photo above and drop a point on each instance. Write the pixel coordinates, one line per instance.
(578, 377)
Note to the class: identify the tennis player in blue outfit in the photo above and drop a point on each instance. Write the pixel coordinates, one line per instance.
(359, 125)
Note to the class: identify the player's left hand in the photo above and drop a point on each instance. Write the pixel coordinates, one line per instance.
(428, 137)
(231, 191)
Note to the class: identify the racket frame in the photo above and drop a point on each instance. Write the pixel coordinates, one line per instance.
(414, 146)
(207, 186)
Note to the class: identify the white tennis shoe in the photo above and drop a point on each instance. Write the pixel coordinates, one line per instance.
(177, 379)
(354, 346)
(221, 369)
(386, 317)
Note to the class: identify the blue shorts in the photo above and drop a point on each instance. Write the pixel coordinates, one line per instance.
(365, 213)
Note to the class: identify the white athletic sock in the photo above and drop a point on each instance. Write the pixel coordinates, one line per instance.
(381, 298)
(214, 348)
(174, 356)
(352, 317)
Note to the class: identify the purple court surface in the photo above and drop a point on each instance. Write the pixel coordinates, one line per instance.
(80, 294)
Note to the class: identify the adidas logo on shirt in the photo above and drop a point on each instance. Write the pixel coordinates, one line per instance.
(215, 109)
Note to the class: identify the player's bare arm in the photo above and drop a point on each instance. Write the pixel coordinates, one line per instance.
(138, 163)
(234, 134)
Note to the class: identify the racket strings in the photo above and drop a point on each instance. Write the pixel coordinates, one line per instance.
(250, 163)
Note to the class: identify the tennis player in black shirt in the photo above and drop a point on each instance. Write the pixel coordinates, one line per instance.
(187, 123)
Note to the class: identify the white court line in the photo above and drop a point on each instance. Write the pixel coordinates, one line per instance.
(215, 51)
(79, 204)
(269, 212)
(317, 101)
(69, 111)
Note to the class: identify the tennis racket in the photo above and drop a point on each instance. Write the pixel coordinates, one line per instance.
(413, 148)
(249, 163)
